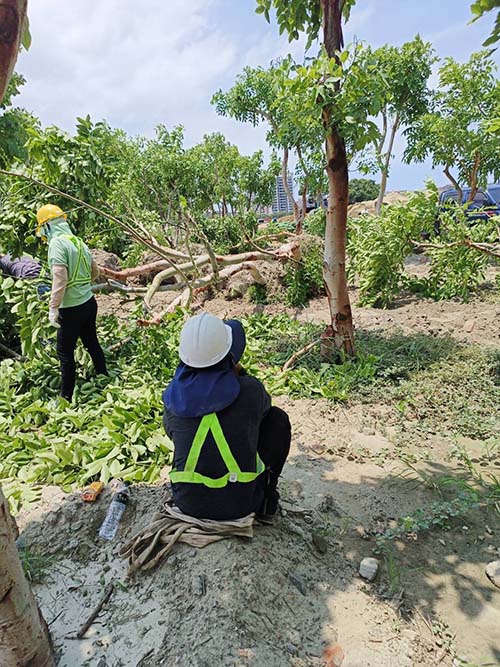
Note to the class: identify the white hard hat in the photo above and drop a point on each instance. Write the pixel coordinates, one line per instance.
(205, 340)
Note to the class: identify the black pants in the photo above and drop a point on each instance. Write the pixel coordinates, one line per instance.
(78, 322)
(274, 445)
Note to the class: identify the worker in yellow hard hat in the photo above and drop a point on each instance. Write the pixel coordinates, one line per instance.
(72, 306)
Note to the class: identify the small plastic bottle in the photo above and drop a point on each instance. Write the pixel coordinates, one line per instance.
(117, 506)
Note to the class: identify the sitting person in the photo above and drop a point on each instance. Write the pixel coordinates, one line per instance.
(230, 444)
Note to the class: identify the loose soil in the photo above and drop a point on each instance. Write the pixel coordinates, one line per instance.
(277, 600)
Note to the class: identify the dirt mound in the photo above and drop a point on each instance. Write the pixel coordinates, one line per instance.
(368, 207)
(107, 259)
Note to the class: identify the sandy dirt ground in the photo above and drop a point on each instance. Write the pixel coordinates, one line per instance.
(279, 600)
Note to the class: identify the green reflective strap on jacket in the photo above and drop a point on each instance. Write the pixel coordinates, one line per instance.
(74, 280)
(211, 423)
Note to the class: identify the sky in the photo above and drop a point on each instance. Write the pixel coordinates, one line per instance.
(137, 64)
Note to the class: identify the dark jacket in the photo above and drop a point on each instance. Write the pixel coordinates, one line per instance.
(26, 267)
(240, 422)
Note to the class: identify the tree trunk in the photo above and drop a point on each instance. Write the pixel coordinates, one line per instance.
(303, 212)
(289, 193)
(385, 170)
(24, 636)
(339, 334)
(474, 186)
(12, 18)
(454, 182)
(334, 266)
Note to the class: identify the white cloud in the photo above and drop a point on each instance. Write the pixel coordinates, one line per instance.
(134, 64)
(138, 63)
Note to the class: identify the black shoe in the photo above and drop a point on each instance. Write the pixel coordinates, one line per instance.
(268, 510)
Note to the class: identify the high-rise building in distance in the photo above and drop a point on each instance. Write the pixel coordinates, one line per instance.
(280, 200)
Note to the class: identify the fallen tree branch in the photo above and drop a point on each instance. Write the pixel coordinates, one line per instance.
(492, 249)
(201, 285)
(10, 353)
(166, 253)
(288, 364)
(107, 594)
(143, 269)
(287, 252)
(112, 286)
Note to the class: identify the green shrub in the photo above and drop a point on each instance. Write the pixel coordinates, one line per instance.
(228, 234)
(456, 270)
(315, 222)
(257, 293)
(379, 245)
(304, 279)
(362, 189)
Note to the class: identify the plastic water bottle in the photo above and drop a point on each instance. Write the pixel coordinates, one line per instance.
(117, 506)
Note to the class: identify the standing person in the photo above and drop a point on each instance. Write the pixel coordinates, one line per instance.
(72, 306)
(230, 444)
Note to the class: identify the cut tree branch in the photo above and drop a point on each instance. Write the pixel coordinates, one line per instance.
(491, 249)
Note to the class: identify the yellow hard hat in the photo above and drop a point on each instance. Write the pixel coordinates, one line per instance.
(48, 212)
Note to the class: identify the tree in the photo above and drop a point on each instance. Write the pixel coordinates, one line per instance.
(86, 165)
(406, 71)
(258, 96)
(362, 189)
(24, 636)
(343, 86)
(14, 124)
(481, 7)
(457, 134)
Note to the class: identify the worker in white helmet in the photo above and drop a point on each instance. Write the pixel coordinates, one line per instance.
(230, 444)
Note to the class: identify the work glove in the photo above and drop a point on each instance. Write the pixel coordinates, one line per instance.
(54, 317)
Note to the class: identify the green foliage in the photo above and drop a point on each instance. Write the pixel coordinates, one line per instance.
(304, 279)
(362, 189)
(296, 16)
(26, 316)
(114, 426)
(456, 270)
(315, 222)
(378, 246)
(457, 394)
(405, 72)
(84, 165)
(35, 565)
(147, 182)
(257, 293)
(350, 88)
(481, 7)
(14, 125)
(228, 234)
(457, 133)
(438, 514)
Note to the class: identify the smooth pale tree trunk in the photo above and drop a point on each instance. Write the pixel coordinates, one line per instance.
(24, 636)
(339, 334)
(385, 170)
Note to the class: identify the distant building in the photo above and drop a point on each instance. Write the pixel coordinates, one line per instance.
(280, 198)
